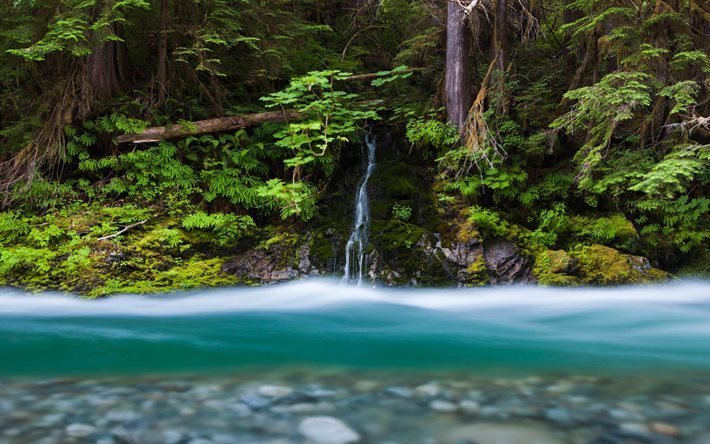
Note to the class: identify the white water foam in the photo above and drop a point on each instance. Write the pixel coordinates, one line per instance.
(512, 302)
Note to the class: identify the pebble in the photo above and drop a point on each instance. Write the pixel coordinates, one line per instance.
(327, 430)
(255, 401)
(240, 410)
(558, 416)
(122, 416)
(274, 391)
(470, 407)
(428, 390)
(665, 429)
(320, 393)
(78, 430)
(634, 428)
(305, 407)
(490, 433)
(443, 406)
(402, 392)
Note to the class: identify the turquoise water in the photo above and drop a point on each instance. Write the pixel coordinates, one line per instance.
(322, 323)
(316, 362)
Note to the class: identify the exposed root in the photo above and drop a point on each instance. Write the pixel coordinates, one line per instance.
(47, 150)
(482, 146)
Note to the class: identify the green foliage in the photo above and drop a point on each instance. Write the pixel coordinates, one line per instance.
(401, 212)
(489, 222)
(76, 29)
(330, 118)
(602, 108)
(675, 173)
(225, 229)
(424, 133)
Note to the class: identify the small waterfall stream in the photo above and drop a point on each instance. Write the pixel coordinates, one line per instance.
(355, 248)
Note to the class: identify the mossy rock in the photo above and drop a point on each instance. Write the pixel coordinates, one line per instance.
(477, 273)
(554, 268)
(603, 265)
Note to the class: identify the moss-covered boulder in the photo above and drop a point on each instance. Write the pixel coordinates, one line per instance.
(555, 268)
(606, 266)
(593, 265)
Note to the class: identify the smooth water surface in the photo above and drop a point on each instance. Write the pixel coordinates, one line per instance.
(323, 324)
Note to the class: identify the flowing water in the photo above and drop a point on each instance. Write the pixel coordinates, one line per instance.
(513, 365)
(355, 248)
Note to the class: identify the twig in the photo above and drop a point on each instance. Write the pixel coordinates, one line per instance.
(126, 228)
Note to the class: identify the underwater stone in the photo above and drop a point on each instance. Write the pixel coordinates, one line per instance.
(490, 433)
(78, 430)
(327, 430)
(255, 401)
(443, 406)
(274, 391)
(402, 392)
(558, 416)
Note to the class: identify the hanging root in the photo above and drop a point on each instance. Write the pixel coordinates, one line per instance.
(482, 145)
(47, 150)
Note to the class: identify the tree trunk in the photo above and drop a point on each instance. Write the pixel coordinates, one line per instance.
(163, 53)
(457, 84)
(499, 34)
(105, 69)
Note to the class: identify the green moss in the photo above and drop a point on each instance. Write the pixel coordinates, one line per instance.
(196, 272)
(603, 265)
(553, 268)
(477, 273)
(395, 180)
(614, 231)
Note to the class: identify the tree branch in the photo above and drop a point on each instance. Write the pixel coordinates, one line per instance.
(126, 228)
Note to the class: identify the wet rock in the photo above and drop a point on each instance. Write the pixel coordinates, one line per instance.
(78, 430)
(122, 416)
(319, 393)
(490, 433)
(402, 392)
(507, 264)
(274, 391)
(470, 407)
(558, 416)
(662, 428)
(428, 390)
(443, 406)
(327, 430)
(240, 410)
(275, 263)
(255, 401)
(634, 428)
(304, 407)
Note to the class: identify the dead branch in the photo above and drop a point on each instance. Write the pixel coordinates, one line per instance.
(126, 228)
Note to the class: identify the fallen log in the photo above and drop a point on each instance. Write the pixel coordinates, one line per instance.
(229, 123)
(208, 126)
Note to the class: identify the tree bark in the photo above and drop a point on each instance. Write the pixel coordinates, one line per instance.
(163, 53)
(499, 35)
(209, 126)
(457, 83)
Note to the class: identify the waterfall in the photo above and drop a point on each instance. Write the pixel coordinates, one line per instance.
(355, 248)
